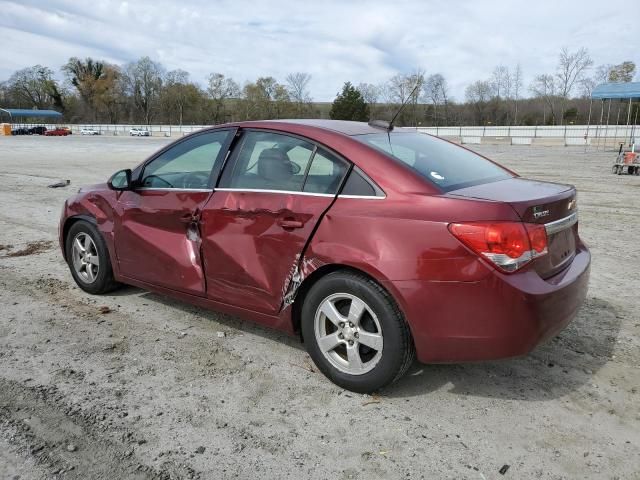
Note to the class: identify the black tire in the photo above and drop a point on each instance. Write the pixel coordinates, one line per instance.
(397, 353)
(104, 281)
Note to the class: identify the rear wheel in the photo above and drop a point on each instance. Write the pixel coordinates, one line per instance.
(88, 258)
(355, 333)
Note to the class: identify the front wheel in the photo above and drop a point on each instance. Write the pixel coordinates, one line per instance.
(355, 333)
(88, 258)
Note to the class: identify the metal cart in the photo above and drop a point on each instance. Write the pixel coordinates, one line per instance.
(629, 160)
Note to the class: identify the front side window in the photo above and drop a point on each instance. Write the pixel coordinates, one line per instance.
(446, 165)
(186, 165)
(269, 161)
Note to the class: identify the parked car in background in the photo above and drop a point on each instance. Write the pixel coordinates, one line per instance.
(373, 244)
(139, 132)
(89, 131)
(58, 132)
(20, 131)
(39, 130)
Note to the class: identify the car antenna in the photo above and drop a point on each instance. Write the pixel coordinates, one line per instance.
(388, 126)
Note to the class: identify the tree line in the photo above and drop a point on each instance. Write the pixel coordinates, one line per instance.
(144, 92)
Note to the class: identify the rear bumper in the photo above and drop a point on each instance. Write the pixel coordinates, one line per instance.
(500, 316)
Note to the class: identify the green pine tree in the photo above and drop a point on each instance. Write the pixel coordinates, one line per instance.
(349, 105)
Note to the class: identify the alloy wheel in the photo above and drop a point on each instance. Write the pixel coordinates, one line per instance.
(348, 333)
(86, 262)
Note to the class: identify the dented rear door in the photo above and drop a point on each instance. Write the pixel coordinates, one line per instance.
(259, 220)
(252, 243)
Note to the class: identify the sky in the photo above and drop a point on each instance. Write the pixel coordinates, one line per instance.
(333, 40)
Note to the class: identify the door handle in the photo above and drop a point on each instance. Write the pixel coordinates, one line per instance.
(290, 223)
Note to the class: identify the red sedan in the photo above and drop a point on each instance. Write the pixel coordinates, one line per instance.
(373, 244)
(57, 132)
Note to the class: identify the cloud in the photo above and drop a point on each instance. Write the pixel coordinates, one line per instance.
(334, 41)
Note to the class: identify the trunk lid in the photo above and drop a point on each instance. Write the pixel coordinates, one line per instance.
(551, 204)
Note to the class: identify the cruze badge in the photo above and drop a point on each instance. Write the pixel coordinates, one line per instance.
(539, 213)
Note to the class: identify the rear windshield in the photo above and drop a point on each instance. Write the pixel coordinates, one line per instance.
(446, 165)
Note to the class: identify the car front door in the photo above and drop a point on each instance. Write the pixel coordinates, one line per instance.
(157, 234)
(273, 191)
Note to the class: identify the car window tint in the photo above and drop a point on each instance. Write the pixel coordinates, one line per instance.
(357, 185)
(442, 163)
(187, 164)
(325, 174)
(269, 161)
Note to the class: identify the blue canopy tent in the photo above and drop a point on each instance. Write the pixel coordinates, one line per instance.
(615, 91)
(28, 113)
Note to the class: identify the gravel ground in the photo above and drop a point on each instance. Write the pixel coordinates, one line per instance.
(160, 389)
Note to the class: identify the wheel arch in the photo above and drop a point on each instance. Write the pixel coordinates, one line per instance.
(68, 223)
(322, 271)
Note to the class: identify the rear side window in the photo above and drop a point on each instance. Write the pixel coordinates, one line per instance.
(358, 186)
(269, 161)
(325, 174)
(446, 165)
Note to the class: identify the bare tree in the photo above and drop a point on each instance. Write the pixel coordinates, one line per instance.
(143, 80)
(436, 92)
(572, 67)
(398, 89)
(220, 89)
(297, 85)
(544, 87)
(178, 93)
(416, 82)
(478, 95)
(370, 93)
(516, 88)
(602, 73)
(587, 85)
(499, 81)
(501, 85)
(403, 88)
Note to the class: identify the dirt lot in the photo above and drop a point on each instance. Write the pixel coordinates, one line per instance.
(160, 389)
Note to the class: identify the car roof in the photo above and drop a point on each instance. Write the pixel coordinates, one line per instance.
(345, 127)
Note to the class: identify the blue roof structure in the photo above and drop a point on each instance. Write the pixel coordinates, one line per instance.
(24, 113)
(616, 90)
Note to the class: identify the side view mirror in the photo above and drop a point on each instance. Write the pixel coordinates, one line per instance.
(120, 180)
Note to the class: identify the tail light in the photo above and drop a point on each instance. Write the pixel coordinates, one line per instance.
(507, 245)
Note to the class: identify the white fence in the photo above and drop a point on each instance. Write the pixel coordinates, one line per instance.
(557, 131)
(516, 135)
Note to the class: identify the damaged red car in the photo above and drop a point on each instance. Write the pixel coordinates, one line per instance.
(374, 244)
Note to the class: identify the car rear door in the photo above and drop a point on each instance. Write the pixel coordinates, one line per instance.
(273, 191)
(157, 234)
